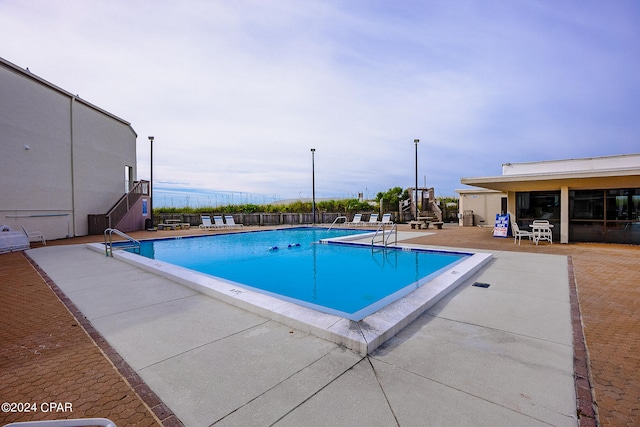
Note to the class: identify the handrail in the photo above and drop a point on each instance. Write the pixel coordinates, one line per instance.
(336, 220)
(126, 202)
(394, 227)
(108, 246)
(385, 241)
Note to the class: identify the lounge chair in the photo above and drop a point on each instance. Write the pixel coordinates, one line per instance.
(519, 234)
(218, 222)
(373, 221)
(34, 236)
(206, 222)
(386, 219)
(231, 222)
(357, 220)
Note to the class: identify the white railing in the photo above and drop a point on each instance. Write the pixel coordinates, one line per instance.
(392, 232)
(336, 220)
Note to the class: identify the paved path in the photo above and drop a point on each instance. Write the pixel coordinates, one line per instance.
(400, 383)
(46, 356)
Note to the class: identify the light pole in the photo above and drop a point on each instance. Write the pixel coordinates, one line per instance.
(415, 200)
(151, 138)
(313, 183)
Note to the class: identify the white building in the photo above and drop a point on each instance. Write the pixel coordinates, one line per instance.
(587, 200)
(62, 159)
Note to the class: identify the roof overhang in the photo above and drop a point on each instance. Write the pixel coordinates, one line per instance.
(619, 178)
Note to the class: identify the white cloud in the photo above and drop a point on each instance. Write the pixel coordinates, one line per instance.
(236, 93)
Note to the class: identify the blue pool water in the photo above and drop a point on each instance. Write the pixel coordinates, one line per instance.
(347, 280)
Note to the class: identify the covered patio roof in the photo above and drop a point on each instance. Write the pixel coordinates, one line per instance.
(598, 179)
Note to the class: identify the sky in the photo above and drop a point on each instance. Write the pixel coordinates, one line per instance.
(236, 93)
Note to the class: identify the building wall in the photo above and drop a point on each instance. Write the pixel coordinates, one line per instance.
(102, 147)
(620, 173)
(485, 204)
(593, 164)
(62, 158)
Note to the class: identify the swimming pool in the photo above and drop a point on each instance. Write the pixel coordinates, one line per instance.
(351, 281)
(362, 336)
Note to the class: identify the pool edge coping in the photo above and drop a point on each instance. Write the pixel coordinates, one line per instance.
(362, 336)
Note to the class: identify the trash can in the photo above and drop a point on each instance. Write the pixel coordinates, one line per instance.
(148, 224)
(467, 219)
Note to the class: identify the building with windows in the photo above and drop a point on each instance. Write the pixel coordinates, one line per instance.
(587, 200)
(62, 159)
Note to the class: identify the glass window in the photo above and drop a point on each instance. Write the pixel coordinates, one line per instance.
(622, 205)
(605, 215)
(586, 204)
(538, 205)
(128, 178)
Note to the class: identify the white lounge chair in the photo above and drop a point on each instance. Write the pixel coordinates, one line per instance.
(373, 220)
(519, 234)
(357, 220)
(206, 222)
(34, 236)
(386, 219)
(231, 222)
(218, 222)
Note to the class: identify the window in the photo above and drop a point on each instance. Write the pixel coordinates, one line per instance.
(538, 205)
(605, 215)
(128, 178)
(587, 204)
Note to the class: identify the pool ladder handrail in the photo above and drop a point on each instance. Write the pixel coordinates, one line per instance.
(108, 246)
(392, 231)
(336, 220)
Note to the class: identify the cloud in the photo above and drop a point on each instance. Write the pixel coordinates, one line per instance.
(236, 93)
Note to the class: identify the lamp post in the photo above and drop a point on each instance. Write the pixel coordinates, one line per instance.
(415, 200)
(313, 183)
(151, 138)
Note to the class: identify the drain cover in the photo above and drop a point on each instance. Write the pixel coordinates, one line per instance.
(481, 285)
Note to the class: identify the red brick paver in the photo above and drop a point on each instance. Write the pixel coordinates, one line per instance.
(46, 356)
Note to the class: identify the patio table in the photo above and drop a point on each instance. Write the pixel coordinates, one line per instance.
(542, 232)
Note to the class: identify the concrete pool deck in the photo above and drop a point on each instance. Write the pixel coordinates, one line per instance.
(362, 336)
(501, 355)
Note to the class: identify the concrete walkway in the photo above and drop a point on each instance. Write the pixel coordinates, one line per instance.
(501, 355)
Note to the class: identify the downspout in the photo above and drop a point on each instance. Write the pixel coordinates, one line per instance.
(73, 187)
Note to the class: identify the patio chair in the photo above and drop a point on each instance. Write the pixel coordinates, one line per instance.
(519, 234)
(231, 222)
(373, 220)
(218, 222)
(206, 222)
(357, 220)
(386, 219)
(34, 236)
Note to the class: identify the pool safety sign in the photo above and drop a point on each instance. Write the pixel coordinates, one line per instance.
(501, 228)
